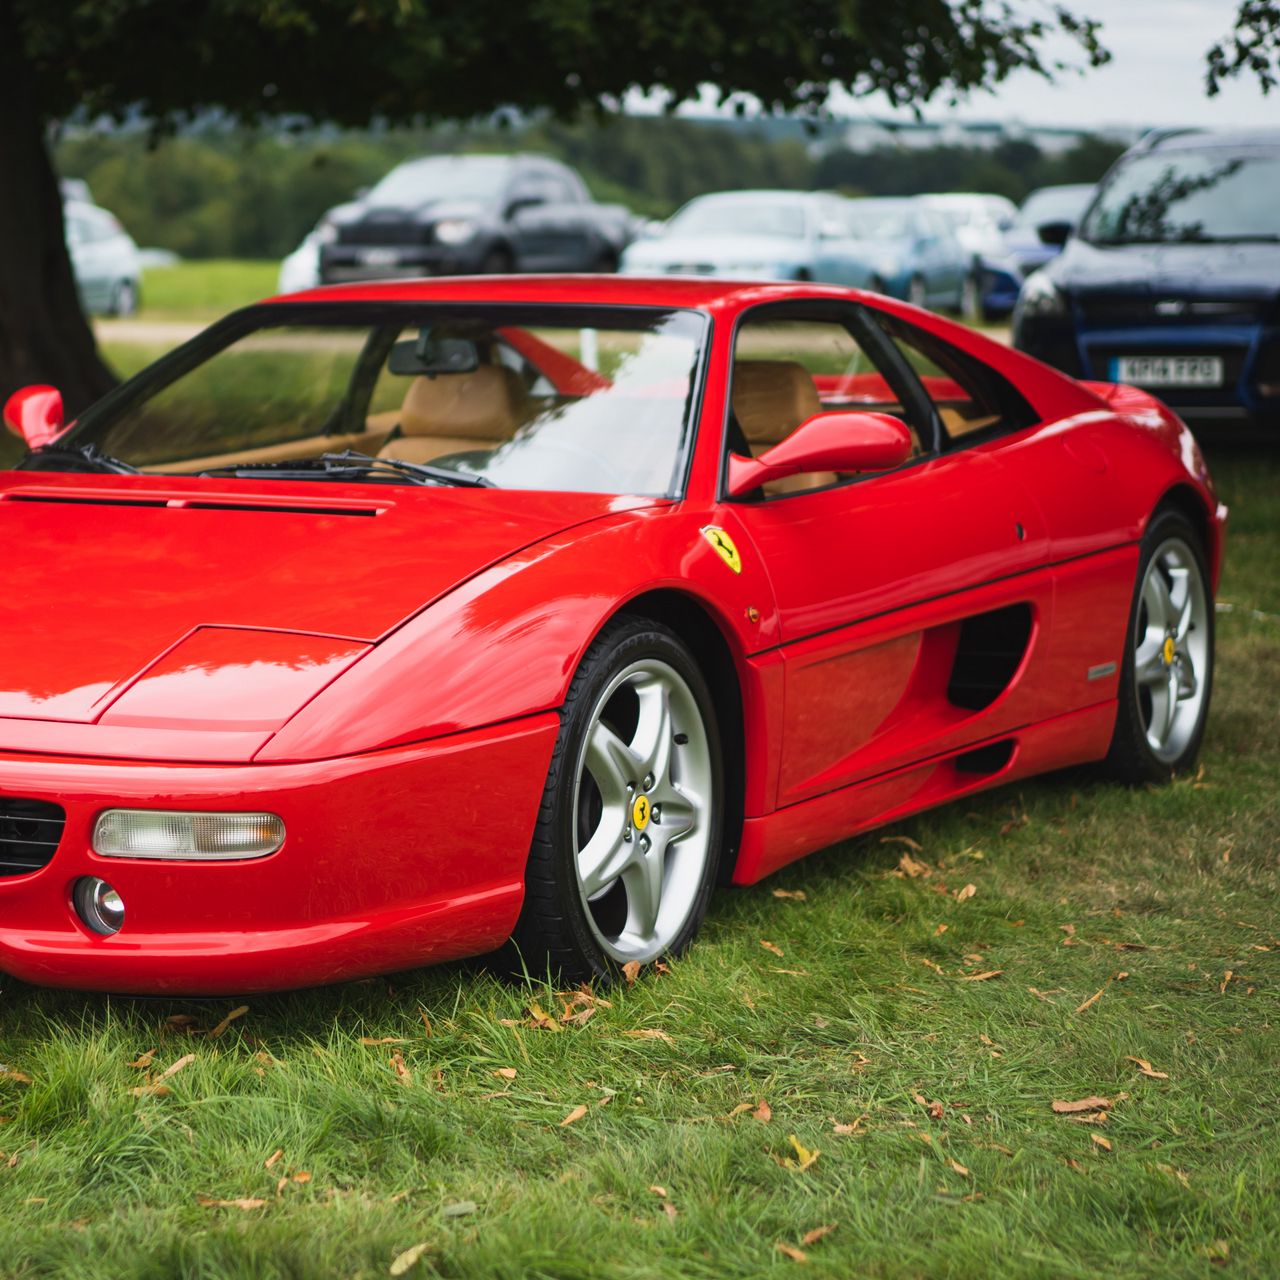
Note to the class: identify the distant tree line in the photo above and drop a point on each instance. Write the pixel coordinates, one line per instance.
(218, 192)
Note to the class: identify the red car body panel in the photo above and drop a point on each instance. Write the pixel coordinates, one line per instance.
(387, 677)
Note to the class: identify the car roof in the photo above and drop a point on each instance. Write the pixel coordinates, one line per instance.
(1199, 139)
(697, 292)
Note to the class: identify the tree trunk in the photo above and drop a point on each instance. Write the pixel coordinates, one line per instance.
(44, 336)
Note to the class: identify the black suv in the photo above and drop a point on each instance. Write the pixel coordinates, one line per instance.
(446, 215)
(1172, 282)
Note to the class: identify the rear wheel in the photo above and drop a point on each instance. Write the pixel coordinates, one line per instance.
(625, 850)
(1168, 665)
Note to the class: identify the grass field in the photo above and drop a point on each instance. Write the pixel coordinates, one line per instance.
(205, 290)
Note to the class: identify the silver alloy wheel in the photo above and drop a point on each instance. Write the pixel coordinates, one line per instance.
(917, 294)
(643, 791)
(1171, 649)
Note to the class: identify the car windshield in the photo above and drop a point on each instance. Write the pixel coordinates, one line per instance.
(1054, 204)
(738, 217)
(442, 178)
(870, 221)
(1209, 195)
(568, 398)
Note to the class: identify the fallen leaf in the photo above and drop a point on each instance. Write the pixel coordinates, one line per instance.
(540, 1018)
(273, 1158)
(458, 1209)
(959, 1168)
(797, 895)
(812, 1237)
(20, 1076)
(790, 1251)
(907, 840)
(740, 1109)
(1177, 1174)
(228, 1020)
(630, 972)
(426, 1023)
(209, 1203)
(1090, 1117)
(660, 1192)
(909, 866)
(150, 1091)
(180, 1021)
(804, 1158)
(405, 1260)
(574, 1116)
(403, 1074)
(507, 1073)
(940, 930)
(670, 1210)
(370, 1040)
(649, 1033)
(1084, 1104)
(763, 1113)
(1093, 999)
(1146, 1068)
(1099, 1141)
(772, 946)
(144, 1060)
(792, 973)
(1226, 978)
(981, 977)
(963, 895)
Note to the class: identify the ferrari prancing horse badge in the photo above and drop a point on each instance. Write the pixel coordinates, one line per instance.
(723, 545)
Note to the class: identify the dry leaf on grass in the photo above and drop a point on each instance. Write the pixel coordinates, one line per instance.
(660, 1192)
(1084, 1104)
(1226, 978)
(458, 1209)
(540, 1018)
(403, 1074)
(273, 1158)
(790, 1251)
(812, 1237)
(630, 972)
(1147, 1069)
(763, 1113)
(144, 1060)
(803, 1159)
(1093, 999)
(649, 1033)
(574, 1116)
(907, 840)
(855, 1127)
(981, 977)
(20, 1077)
(405, 1260)
(798, 895)
(1099, 1141)
(963, 895)
(913, 869)
(958, 1168)
(207, 1202)
(228, 1020)
(506, 1073)
(772, 947)
(372, 1040)
(935, 1109)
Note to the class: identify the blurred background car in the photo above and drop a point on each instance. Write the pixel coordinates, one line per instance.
(756, 235)
(914, 252)
(454, 215)
(979, 221)
(1045, 221)
(104, 259)
(1172, 282)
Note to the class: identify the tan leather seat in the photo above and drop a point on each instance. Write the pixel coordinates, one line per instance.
(771, 398)
(457, 412)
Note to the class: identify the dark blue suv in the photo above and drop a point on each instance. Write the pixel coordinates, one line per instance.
(1172, 282)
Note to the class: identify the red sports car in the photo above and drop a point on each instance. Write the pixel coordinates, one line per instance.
(379, 625)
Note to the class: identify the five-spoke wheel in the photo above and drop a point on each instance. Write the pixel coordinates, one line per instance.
(624, 856)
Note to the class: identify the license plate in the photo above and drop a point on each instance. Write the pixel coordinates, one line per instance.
(1168, 371)
(378, 257)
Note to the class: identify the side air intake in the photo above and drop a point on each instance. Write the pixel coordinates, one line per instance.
(29, 834)
(991, 648)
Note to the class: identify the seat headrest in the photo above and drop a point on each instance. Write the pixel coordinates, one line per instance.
(771, 398)
(487, 403)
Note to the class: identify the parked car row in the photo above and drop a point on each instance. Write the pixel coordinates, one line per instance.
(104, 257)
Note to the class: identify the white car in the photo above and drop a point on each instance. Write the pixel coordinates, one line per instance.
(104, 259)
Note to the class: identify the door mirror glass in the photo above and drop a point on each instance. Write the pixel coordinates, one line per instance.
(839, 441)
(34, 415)
(1054, 233)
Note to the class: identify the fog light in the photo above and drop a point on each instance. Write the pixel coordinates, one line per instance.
(196, 837)
(99, 905)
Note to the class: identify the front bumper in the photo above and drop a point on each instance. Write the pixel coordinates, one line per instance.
(391, 860)
(341, 263)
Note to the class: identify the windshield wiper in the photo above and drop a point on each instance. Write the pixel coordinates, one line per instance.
(84, 453)
(351, 463)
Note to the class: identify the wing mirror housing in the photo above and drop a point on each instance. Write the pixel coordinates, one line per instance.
(836, 441)
(35, 415)
(1055, 234)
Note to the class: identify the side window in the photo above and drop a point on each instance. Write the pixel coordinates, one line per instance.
(787, 370)
(973, 401)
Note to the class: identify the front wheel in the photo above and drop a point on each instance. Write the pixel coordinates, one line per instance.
(1167, 674)
(628, 837)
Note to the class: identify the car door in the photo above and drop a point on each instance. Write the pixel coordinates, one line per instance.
(907, 601)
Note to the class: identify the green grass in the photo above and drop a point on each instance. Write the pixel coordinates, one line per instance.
(1163, 900)
(205, 290)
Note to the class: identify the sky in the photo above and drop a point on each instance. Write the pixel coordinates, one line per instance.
(1155, 77)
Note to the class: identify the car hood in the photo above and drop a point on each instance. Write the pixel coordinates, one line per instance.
(113, 584)
(1179, 270)
(716, 251)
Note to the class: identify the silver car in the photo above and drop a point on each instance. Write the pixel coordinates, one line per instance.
(104, 258)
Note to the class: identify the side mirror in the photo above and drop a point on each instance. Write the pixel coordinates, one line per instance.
(837, 441)
(34, 415)
(1054, 233)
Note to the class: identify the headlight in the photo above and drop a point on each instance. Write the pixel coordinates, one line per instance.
(1041, 297)
(454, 230)
(198, 837)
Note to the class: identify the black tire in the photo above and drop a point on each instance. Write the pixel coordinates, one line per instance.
(557, 933)
(1132, 757)
(497, 261)
(877, 285)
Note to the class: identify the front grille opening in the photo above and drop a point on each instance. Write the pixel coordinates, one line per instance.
(991, 649)
(29, 834)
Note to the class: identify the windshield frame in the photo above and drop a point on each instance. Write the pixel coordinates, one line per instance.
(220, 335)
